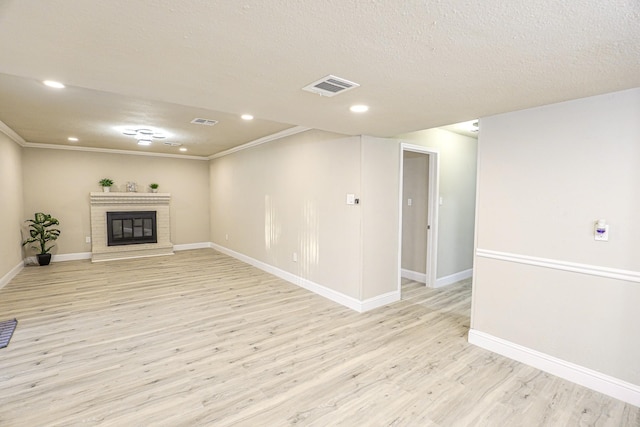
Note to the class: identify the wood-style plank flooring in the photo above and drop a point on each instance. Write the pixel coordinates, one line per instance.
(201, 339)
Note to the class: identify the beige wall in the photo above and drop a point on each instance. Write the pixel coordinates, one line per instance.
(545, 176)
(11, 211)
(458, 159)
(289, 196)
(59, 182)
(380, 216)
(414, 218)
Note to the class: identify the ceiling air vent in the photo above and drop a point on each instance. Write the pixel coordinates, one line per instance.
(172, 144)
(205, 122)
(330, 86)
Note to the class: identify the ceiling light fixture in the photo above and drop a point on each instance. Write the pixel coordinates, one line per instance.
(53, 84)
(183, 149)
(359, 108)
(73, 139)
(144, 136)
(246, 117)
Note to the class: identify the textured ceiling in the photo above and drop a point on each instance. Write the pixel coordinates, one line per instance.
(420, 64)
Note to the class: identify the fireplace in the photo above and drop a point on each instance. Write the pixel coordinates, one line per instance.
(130, 225)
(131, 228)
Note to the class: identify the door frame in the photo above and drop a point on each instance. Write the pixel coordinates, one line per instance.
(433, 190)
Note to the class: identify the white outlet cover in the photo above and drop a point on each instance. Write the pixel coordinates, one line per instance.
(604, 237)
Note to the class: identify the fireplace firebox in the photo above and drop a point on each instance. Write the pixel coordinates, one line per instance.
(130, 228)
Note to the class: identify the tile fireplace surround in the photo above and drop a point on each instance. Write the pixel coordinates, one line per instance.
(101, 203)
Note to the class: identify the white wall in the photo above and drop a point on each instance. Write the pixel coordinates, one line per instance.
(380, 216)
(458, 157)
(288, 196)
(11, 210)
(545, 176)
(58, 182)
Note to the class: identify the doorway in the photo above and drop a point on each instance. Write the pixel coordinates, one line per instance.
(418, 214)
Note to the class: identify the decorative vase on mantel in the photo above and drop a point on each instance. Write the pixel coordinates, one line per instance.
(106, 189)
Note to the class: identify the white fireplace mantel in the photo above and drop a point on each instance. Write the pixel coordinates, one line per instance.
(102, 198)
(102, 202)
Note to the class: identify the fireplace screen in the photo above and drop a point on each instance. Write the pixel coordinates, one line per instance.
(130, 228)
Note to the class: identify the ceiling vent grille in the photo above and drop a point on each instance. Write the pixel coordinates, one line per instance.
(172, 144)
(330, 86)
(205, 122)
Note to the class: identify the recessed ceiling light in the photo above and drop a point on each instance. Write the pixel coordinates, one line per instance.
(73, 139)
(359, 108)
(53, 84)
(183, 149)
(246, 117)
(144, 142)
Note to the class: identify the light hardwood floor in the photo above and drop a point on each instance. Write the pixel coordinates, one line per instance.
(201, 339)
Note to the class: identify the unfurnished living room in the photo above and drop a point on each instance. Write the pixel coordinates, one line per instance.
(319, 213)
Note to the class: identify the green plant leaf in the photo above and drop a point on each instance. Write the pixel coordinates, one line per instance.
(40, 232)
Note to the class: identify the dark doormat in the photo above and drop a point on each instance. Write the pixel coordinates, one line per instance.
(6, 331)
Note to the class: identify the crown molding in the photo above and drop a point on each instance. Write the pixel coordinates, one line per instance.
(12, 135)
(278, 135)
(110, 151)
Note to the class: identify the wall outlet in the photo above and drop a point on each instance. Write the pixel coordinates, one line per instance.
(601, 233)
(295, 257)
(226, 237)
(87, 239)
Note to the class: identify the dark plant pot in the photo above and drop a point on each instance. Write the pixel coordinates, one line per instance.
(44, 259)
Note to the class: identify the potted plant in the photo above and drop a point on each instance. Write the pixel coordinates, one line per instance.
(106, 184)
(41, 233)
(154, 187)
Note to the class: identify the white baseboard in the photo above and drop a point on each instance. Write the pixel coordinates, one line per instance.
(190, 246)
(379, 301)
(11, 274)
(453, 278)
(87, 255)
(32, 260)
(413, 275)
(335, 296)
(71, 257)
(594, 380)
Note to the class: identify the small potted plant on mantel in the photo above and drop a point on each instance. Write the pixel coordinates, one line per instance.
(41, 232)
(106, 184)
(154, 187)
